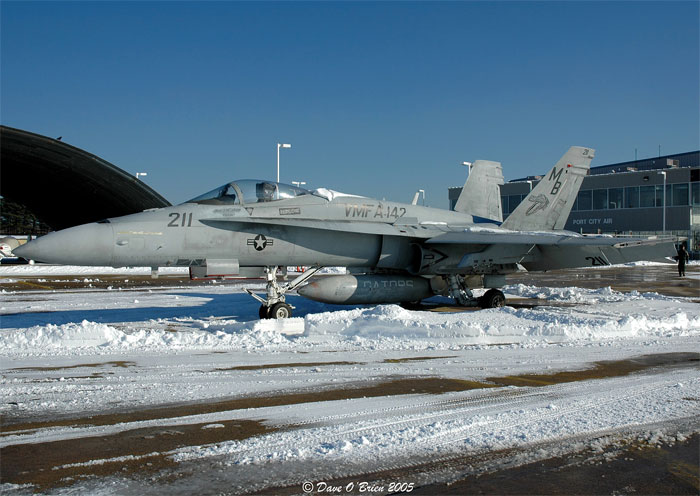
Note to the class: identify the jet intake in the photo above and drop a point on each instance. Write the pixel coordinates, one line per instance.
(425, 260)
(367, 289)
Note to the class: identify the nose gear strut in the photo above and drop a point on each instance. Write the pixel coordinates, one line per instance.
(274, 305)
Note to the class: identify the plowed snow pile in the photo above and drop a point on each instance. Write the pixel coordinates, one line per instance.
(596, 316)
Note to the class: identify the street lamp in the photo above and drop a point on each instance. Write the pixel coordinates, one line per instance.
(663, 173)
(280, 145)
(139, 174)
(298, 184)
(423, 192)
(530, 183)
(469, 165)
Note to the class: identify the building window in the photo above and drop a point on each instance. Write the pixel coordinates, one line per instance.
(584, 200)
(680, 195)
(695, 194)
(646, 196)
(600, 199)
(660, 196)
(614, 198)
(632, 197)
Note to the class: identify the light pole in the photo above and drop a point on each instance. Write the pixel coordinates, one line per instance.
(298, 184)
(280, 145)
(530, 183)
(663, 173)
(468, 165)
(423, 192)
(139, 174)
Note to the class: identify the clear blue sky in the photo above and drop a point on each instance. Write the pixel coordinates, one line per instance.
(377, 99)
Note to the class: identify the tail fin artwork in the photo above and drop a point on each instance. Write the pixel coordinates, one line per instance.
(548, 205)
(481, 194)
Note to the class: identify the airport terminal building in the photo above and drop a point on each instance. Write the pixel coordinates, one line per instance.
(628, 198)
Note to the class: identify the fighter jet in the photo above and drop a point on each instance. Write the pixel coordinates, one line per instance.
(395, 252)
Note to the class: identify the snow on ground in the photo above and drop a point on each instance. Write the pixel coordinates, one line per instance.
(669, 262)
(89, 351)
(38, 270)
(74, 270)
(487, 428)
(162, 326)
(212, 317)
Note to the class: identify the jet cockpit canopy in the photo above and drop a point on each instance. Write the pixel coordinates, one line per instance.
(249, 191)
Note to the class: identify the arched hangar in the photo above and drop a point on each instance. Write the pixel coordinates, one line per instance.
(65, 186)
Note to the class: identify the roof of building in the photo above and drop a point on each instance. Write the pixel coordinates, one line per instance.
(686, 159)
(65, 186)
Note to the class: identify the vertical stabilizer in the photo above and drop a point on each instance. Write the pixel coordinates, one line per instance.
(548, 205)
(481, 195)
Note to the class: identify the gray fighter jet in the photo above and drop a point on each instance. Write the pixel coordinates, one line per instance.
(395, 252)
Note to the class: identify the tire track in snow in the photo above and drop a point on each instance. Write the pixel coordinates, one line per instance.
(283, 444)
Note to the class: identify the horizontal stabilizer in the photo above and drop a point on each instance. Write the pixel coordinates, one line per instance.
(568, 256)
(565, 238)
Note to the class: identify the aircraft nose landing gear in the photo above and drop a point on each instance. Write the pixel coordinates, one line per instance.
(280, 311)
(275, 306)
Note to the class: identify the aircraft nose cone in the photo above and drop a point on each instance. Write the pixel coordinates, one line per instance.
(27, 250)
(89, 244)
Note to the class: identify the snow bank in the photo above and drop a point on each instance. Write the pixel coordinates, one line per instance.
(580, 295)
(91, 336)
(379, 326)
(669, 262)
(596, 316)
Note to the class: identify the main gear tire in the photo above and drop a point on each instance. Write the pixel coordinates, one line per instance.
(411, 305)
(493, 298)
(264, 311)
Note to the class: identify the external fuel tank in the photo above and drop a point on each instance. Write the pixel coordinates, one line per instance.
(367, 289)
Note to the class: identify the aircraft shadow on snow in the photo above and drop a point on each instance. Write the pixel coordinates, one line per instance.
(240, 307)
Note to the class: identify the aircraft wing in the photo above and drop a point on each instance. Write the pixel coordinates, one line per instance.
(379, 228)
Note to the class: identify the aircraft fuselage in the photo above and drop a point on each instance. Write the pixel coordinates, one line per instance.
(306, 230)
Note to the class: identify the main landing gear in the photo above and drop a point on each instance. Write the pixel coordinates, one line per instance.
(458, 289)
(493, 298)
(275, 306)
